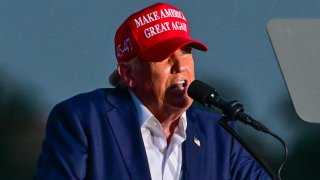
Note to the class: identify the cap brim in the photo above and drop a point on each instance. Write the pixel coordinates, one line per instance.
(166, 48)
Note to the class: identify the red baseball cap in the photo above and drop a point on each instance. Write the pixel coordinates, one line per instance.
(153, 34)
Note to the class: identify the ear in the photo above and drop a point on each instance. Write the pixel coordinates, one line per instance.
(125, 72)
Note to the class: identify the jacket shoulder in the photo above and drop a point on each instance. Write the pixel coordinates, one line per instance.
(203, 114)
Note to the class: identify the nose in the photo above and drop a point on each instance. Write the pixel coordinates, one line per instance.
(178, 63)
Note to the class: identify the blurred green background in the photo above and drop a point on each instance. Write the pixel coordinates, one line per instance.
(52, 50)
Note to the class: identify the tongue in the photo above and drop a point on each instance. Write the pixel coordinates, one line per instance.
(177, 86)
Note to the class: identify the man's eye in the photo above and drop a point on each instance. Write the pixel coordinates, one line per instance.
(184, 52)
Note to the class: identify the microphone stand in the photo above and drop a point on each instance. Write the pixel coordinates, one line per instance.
(233, 110)
(224, 123)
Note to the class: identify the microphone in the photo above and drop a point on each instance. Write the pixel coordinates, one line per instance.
(233, 110)
(207, 96)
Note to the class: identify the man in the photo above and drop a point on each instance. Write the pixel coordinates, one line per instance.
(145, 128)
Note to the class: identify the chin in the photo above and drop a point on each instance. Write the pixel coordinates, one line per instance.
(183, 103)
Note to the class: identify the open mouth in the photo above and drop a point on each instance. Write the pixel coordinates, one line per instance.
(179, 86)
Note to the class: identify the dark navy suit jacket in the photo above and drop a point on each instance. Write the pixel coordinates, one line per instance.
(96, 135)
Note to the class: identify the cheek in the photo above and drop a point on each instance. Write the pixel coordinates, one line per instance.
(160, 71)
(190, 69)
(140, 78)
(159, 78)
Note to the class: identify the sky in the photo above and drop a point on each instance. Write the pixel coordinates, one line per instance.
(52, 50)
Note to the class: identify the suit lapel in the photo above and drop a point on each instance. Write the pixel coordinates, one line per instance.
(124, 123)
(193, 150)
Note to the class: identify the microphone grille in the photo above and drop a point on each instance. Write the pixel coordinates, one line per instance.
(199, 91)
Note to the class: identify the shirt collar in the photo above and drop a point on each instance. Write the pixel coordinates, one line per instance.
(144, 114)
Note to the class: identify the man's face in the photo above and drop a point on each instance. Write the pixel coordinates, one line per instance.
(164, 84)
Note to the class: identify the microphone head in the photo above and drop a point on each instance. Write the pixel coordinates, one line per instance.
(200, 91)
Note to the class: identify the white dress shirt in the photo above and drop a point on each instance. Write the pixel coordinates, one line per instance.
(165, 161)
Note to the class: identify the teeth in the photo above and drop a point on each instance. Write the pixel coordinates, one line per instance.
(181, 82)
(180, 85)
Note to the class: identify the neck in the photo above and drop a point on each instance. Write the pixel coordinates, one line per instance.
(168, 129)
(168, 124)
